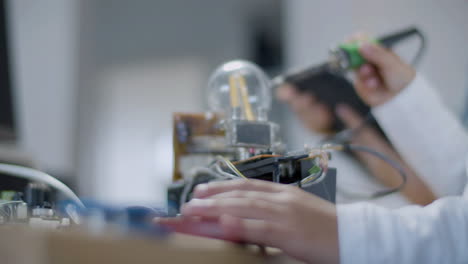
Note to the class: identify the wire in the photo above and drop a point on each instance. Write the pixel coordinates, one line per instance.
(231, 166)
(309, 180)
(322, 155)
(389, 161)
(245, 98)
(233, 92)
(237, 83)
(261, 156)
(10, 202)
(315, 153)
(220, 171)
(392, 39)
(422, 49)
(314, 178)
(39, 176)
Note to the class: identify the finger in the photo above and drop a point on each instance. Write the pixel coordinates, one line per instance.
(362, 90)
(212, 188)
(359, 36)
(254, 195)
(366, 71)
(253, 231)
(373, 83)
(377, 55)
(286, 93)
(193, 226)
(349, 117)
(238, 207)
(371, 96)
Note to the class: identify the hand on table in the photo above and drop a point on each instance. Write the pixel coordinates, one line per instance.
(282, 216)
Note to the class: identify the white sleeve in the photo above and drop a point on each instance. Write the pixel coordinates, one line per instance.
(427, 135)
(437, 233)
(434, 143)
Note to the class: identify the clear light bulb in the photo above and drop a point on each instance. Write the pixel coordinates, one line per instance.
(240, 90)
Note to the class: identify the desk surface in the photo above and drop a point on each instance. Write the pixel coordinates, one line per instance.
(27, 246)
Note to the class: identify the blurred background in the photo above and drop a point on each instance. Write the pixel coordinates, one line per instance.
(88, 88)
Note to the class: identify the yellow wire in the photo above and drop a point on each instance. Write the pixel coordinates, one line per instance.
(233, 92)
(232, 167)
(245, 98)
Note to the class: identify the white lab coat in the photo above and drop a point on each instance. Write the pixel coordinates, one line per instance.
(434, 144)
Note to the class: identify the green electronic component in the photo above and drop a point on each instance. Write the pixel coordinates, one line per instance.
(354, 58)
(314, 169)
(7, 195)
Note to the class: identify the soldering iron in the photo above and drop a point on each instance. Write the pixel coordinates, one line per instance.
(328, 83)
(347, 57)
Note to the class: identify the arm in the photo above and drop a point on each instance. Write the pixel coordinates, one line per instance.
(421, 128)
(369, 83)
(315, 231)
(427, 135)
(415, 189)
(437, 233)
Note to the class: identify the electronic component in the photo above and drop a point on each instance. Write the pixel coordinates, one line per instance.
(47, 203)
(197, 139)
(248, 145)
(240, 93)
(305, 171)
(38, 195)
(35, 204)
(36, 210)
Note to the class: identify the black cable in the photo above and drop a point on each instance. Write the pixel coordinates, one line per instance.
(392, 39)
(422, 49)
(386, 159)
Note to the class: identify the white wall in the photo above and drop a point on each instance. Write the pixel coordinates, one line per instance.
(97, 82)
(313, 26)
(133, 150)
(126, 62)
(43, 44)
(140, 61)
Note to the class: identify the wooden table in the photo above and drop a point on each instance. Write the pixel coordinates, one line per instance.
(23, 245)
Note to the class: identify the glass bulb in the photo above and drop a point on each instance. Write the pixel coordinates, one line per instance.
(240, 90)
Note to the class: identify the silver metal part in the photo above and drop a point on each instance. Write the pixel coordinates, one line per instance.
(22, 211)
(42, 212)
(338, 60)
(250, 134)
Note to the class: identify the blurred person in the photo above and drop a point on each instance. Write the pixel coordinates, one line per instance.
(363, 172)
(423, 131)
